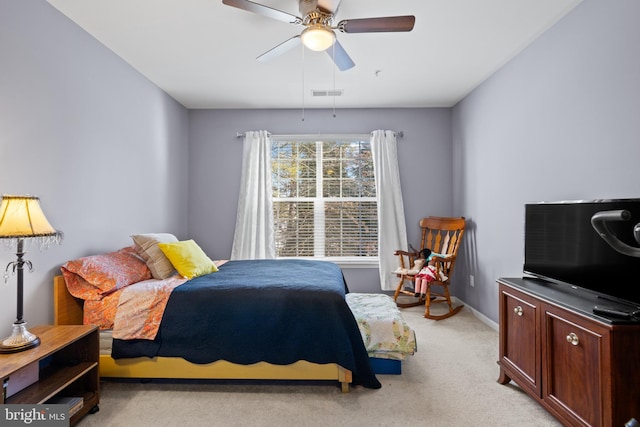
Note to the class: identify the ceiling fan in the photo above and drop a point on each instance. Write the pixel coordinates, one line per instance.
(319, 32)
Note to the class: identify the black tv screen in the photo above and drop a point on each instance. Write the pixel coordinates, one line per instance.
(561, 245)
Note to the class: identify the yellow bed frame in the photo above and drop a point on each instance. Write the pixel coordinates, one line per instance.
(67, 310)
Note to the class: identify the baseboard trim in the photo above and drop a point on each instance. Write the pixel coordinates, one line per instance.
(484, 319)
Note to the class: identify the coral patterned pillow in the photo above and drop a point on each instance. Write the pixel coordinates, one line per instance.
(95, 276)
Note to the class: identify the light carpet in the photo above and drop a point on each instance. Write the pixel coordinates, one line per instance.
(450, 381)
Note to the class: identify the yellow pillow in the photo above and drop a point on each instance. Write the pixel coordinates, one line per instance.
(188, 258)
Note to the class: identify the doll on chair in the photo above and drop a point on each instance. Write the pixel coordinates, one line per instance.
(427, 273)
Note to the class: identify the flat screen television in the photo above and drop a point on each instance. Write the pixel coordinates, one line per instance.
(562, 246)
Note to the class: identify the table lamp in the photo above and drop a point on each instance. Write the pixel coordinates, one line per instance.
(21, 222)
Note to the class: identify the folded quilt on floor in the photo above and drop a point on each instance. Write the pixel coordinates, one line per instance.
(385, 333)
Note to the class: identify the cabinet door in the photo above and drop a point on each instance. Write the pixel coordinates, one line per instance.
(520, 338)
(575, 357)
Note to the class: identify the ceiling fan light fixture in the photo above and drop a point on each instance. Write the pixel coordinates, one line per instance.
(318, 37)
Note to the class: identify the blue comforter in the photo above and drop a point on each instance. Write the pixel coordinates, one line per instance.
(277, 311)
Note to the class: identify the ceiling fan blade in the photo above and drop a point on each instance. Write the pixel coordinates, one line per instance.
(280, 49)
(330, 6)
(263, 10)
(340, 56)
(377, 25)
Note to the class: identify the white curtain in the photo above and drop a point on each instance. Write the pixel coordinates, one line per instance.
(392, 230)
(253, 238)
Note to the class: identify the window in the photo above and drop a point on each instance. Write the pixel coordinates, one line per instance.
(324, 198)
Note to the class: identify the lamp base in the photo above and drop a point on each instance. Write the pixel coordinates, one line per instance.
(21, 339)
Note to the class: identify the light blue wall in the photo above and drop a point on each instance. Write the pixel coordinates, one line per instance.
(559, 122)
(103, 147)
(215, 160)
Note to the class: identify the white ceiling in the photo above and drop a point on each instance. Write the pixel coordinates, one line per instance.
(202, 52)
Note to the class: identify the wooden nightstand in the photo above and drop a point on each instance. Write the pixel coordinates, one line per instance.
(67, 360)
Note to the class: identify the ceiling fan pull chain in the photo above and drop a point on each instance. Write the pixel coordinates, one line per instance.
(302, 47)
(334, 82)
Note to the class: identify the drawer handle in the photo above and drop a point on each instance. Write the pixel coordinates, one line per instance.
(573, 339)
(518, 310)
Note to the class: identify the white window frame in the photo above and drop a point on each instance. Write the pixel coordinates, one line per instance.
(319, 139)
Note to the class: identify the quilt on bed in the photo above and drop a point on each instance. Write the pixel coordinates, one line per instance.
(277, 311)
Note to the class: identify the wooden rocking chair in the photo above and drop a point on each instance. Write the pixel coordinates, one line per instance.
(442, 236)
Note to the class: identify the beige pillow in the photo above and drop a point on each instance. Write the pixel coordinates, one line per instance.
(147, 247)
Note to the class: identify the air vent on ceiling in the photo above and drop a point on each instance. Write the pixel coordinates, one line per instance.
(334, 92)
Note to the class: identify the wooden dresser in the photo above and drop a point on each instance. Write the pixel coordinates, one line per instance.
(583, 368)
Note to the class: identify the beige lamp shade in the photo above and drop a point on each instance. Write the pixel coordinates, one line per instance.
(21, 217)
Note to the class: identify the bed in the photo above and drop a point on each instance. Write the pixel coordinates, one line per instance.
(247, 320)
